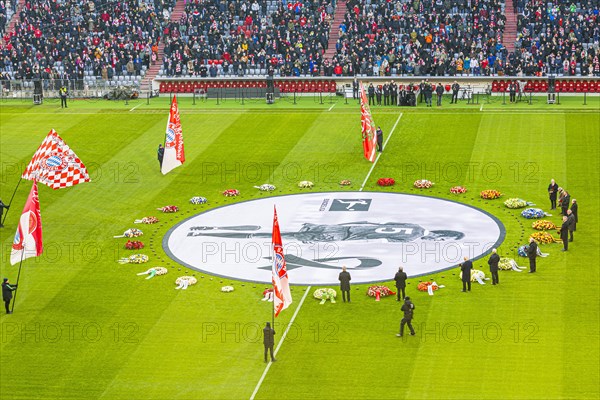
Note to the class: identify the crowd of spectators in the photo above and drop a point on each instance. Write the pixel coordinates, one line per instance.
(235, 37)
(78, 40)
(557, 37)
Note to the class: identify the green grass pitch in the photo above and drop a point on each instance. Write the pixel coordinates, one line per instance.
(86, 327)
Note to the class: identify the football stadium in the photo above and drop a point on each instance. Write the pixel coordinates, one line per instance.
(254, 199)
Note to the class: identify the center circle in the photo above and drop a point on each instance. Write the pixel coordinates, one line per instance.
(371, 233)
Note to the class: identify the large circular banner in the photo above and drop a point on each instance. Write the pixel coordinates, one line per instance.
(371, 233)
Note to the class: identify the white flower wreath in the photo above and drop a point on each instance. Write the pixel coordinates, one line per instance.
(266, 187)
(305, 184)
(227, 289)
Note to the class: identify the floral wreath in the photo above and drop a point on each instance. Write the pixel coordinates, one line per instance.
(268, 294)
(154, 271)
(522, 251)
(134, 259)
(507, 264)
(227, 289)
(325, 294)
(184, 281)
(476, 275)
(516, 203)
(146, 220)
(383, 291)
(458, 190)
(345, 182)
(424, 286)
(544, 237)
(198, 200)
(231, 193)
(134, 245)
(266, 187)
(533, 213)
(305, 184)
(543, 225)
(490, 194)
(129, 233)
(423, 184)
(169, 209)
(386, 182)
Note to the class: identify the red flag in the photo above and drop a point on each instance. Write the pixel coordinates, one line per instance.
(174, 155)
(282, 297)
(28, 238)
(368, 127)
(54, 164)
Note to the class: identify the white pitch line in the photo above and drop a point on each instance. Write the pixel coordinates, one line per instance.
(262, 378)
(379, 155)
(331, 106)
(136, 107)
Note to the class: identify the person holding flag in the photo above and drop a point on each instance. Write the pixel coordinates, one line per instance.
(282, 297)
(2, 207)
(7, 294)
(174, 154)
(369, 134)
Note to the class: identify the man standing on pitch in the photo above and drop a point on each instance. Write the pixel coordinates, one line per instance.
(400, 279)
(565, 200)
(552, 192)
(344, 279)
(493, 262)
(564, 233)
(573, 210)
(455, 89)
(439, 90)
(466, 268)
(408, 308)
(379, 139)
(160, 154)
(7, 295)
(532, 254)
(269, 341)
(2, 207)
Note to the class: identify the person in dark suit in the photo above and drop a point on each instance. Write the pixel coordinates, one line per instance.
(2, 207)
(386, 94)
(565, 200)
(466, 268)
(532, 254)
(493, 262)
(269, 341)
(378, 94)
(571, 221)
(394, 94)
(553, 192)
(160, 154)
(512, 90)
(371, 94)
(455, 89)
(564, 233)
(63, 97)
(344, 279)
(574, 208)
(7, 295)
(379, 139)
(400, 279)
(408, 308)
(439, 90)
(355, 88)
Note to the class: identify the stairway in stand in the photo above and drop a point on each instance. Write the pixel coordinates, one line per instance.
(15, 17)
(510, 29)
(334, 30)
(153, 70)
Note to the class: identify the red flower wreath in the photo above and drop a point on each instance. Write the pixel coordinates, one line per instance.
(386, 182)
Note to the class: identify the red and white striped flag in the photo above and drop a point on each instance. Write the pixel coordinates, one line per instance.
(174, 155)
(28, 238)
(369, 134)
(54, 164)
(282, 297)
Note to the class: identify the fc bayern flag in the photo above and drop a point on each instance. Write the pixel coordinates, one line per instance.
(367, 127)
(54, 164)
(174, 155)
(282, 297)
(28, 238)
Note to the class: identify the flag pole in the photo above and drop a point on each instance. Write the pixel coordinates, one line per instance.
(17, 284)
(10, 202)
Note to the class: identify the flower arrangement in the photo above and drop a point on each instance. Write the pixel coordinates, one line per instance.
(169, 209)
(544, 237)
(506, 264)
(543, 225)
(383, 291)
(490, 194)
(345, 182)
(522, 251)
(146, 220)
(227, 289)
(134, 259)
(458, 190)
(423, 184)
(134, 245)
(533, 213)
(305, 184)
(198, 200)
(423, 286)
(154, 271)
(129, 233)
(265, 187)
(386, 182)
(184, 281)
(267, 294)
(515, 203)
(231, 193)
(325, 294)
(476, 275)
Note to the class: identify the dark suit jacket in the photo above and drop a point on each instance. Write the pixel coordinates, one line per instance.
(532, 250)
(553, 191)
(344, 280)
(564, 229)
(493, 262)
(7, 290)
(574, 211)
(466, 268)
(408, 308)
(268, 336)
(400, 279)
